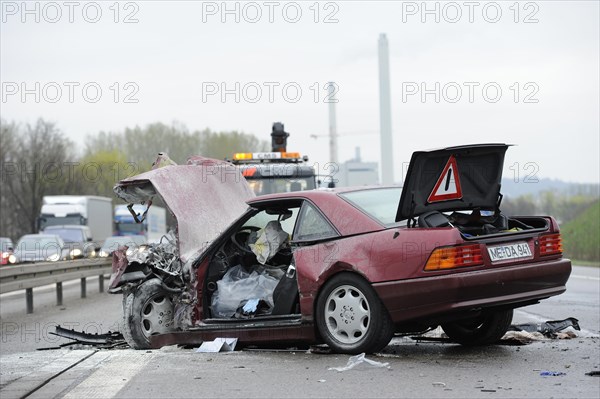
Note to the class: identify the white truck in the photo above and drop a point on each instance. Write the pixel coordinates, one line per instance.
(153, 227)
(83, 210)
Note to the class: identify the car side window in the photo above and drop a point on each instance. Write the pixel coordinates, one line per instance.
(312, 225)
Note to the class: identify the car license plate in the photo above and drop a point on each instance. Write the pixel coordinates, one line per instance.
(517, 250)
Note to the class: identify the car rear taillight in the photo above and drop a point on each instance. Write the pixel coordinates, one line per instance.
(550, 244)
(451, 257)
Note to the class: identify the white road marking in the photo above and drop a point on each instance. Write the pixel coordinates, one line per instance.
(585, 277)
(122, 364)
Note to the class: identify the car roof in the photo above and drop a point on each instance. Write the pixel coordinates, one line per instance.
(318, 193)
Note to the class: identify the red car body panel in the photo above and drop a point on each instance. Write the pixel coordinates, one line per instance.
(392, 259)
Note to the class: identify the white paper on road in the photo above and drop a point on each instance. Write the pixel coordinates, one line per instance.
(358, 359)
(218, 345)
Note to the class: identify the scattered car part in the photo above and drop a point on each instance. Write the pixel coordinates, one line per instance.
(105, 341)
(548, 328)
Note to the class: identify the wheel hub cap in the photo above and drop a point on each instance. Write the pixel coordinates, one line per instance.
(347, 314)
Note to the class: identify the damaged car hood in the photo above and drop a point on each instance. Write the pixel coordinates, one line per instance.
(453, 178)
(204, 197)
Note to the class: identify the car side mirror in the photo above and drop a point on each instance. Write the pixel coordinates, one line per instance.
(89, 239)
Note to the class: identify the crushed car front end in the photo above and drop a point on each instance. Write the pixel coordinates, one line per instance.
(159, 289)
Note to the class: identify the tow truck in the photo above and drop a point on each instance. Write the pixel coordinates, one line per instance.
(277, 171)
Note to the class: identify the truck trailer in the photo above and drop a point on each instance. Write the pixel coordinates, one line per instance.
(152, 228)
(82, 210)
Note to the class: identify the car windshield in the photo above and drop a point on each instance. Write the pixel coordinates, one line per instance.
(69, 235)
(47, 220)
(380, 203)
(37, 242)
(130, 227)
(280, 184)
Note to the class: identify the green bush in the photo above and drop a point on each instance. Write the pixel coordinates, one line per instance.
(581, 236)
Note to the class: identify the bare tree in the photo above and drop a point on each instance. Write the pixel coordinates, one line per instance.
(36, 164)
(141, 145)
(8, 219)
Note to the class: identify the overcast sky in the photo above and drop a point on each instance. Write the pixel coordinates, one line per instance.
(524, 73)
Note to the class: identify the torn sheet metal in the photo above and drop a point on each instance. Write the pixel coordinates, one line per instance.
(211, 193)
(163, 256)
(108, 340)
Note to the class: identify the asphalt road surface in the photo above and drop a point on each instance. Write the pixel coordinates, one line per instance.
(414, 369)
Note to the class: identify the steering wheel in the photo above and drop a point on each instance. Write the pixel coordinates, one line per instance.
(244, 230)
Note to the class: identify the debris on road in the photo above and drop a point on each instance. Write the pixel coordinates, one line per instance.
(552, 373)
(110, 340)
(218, 345)
(594, 373)
(358, 359)
(549, 329)
(520, 334)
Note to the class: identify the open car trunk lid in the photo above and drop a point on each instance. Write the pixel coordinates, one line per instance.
(451, 179)
(205, 197)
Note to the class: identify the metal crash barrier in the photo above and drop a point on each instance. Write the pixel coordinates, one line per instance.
(29, 276)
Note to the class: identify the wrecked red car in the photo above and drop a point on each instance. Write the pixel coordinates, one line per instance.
(346, 267)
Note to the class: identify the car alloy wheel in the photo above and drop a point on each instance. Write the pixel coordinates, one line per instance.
(148, 311)
(350, 316)
(347, 314)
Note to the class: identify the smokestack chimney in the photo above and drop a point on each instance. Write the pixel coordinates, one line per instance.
(385, 113)
(333, 151)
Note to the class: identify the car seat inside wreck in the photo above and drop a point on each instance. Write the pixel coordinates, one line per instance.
(252, 274)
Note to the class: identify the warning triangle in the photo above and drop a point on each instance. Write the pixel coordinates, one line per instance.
(448, 184)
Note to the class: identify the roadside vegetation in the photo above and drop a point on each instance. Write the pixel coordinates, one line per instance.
(578, 214)
(581, 236)
(38, 160)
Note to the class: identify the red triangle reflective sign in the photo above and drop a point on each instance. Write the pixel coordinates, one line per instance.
(448, 185)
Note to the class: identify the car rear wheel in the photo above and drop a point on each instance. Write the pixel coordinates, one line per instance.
(350, 316)
(148, 311)
(483, 330)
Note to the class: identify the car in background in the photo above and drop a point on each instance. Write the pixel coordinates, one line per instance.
(77, 238)
(111, 244)
(6, 249)
(39, 248)
(345, 267)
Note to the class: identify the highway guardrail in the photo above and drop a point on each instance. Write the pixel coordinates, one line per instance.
(28, 276)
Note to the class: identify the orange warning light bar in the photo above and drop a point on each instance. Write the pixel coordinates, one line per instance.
(262, 156)
(241, 156)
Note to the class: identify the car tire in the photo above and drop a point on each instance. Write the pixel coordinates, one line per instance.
(350, 316)
(483, 330)
(148, 311)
